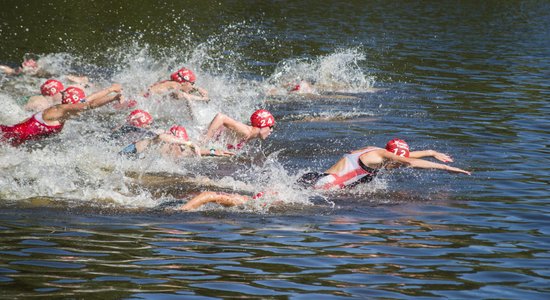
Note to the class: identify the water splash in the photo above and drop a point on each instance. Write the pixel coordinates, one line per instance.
(81, 164)
(338, 71)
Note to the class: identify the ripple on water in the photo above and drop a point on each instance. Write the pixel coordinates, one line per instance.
(285, 284)
(494, 291)
(49, 264)
(37, 242)
(224, 254)
(238, 289)
(374, 279)
(135, 280)
(242, 270)
(61, 252)
(497, 276)
(185, 262)
(170, 296)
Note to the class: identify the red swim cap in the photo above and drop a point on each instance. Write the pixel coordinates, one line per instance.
(51, 87)
(398, 147)
(295, 88)
(72, 95)
(183, 75)
(29, 63)
(139, 118)
(262, 118)
(179, 131)
(258, 195)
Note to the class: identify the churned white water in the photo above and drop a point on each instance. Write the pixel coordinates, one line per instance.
(82, 165)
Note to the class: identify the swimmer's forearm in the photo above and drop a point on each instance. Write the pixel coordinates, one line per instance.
(219, 198)
(431, 153)
(424, 164)
(215, 125)
(115, 88)
(98, 102)
(7, 70)
(422, 153)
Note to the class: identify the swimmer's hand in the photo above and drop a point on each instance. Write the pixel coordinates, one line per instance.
(221, 152)
(77, 79)
(457, 170)
(195, 148)
(121, 99)
(203, 93)
(115, 88)
(442, 157)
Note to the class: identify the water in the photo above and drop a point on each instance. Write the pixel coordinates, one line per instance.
(469, 79)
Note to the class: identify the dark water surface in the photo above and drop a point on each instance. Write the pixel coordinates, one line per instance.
(465, 78)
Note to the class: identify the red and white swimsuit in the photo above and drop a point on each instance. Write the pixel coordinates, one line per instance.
(354, 172)
(34, 128)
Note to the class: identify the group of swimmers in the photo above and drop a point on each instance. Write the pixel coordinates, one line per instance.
(57, 104)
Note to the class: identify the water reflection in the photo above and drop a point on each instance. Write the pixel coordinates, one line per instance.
(346, 256)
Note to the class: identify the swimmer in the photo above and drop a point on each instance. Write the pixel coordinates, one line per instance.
(171, 145)
(262, 124)
(224, 199)
(50, 96)
(51, 120)
(136, 127)
(304, 90)
(363, 165)
(180, 86)
(354, 168)
(29, 66)
(298, 86)
(301, 87)
(50, 92)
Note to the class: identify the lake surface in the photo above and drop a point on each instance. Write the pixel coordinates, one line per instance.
(468, 79)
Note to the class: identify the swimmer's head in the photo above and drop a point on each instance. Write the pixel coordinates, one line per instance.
(295, 88)
(398, 147)
(72, 95)
(51, 87)
(180, 132)
(258, 195)
(262, 118)
(139, 118)
(29, 61)
(183, 75)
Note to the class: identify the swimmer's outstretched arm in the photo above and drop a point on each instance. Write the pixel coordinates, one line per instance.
(431, 153)
(62, 112)
(82, 81)
(202, 94)
(7, 70)
(77, 79)
(115, 88)
(219, 198)
(420, 163)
